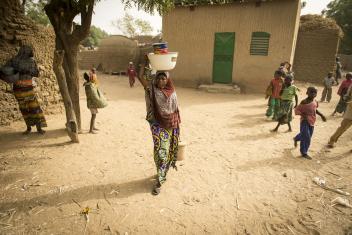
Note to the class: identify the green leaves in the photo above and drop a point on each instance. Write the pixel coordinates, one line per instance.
(132, 27)
(150, 6)
(94, 37)
(341, 11)
(35, 11)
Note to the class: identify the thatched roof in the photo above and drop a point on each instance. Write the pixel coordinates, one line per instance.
(213, 2)
(318, 22)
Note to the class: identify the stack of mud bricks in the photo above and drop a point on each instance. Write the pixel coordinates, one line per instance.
(14, 31)
(315, 55)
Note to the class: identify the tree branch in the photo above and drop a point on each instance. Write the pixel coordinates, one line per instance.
(82, 31)
(23, 6)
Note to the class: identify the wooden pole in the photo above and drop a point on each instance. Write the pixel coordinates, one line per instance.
(71, 122)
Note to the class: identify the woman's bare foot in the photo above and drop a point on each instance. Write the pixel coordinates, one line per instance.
(295, 143)
(92, 132)
(27, 131)
(330, 146)
(41, 131)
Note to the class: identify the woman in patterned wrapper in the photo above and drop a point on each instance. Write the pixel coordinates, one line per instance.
(164, 119)
(25, 66)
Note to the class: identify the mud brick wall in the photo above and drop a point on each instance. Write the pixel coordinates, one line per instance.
(346, 61)
(15, 29)
(315, 55)
(113, 54)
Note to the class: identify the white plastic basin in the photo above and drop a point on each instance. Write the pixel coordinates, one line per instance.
(163, 61)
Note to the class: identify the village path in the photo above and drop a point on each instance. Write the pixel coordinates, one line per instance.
(238, 177)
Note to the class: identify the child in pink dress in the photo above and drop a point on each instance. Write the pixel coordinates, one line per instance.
(307, 110)
(131, 73)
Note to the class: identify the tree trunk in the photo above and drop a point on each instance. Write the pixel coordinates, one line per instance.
(68, 36)
(71, 72)
(71, 125)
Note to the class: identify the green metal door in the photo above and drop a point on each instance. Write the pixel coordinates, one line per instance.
(224, 45)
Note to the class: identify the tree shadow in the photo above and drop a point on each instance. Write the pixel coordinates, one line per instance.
(264, 106)
(245, 116)
(260, 136)
(326, 157)
(287, 160)
(250, 122)
(91, 192)
(16, 140)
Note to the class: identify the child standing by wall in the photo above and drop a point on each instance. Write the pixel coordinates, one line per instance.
(307, 110)
(95, 100)
(273, 92)
(327, 92)
(287, 93)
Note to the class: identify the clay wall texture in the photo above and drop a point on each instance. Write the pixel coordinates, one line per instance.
(113, 54)
(315, 55)
(191, 33)
(16, 30)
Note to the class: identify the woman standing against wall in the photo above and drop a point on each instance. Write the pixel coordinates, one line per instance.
(25, 66)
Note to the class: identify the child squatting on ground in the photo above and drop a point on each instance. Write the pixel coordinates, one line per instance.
(307, 110)
(273, 93)
(288, 92)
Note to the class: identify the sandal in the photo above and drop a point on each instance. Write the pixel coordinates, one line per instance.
(156, 189)
(307, 156)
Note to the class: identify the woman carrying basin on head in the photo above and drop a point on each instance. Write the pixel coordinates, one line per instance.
(164, 119)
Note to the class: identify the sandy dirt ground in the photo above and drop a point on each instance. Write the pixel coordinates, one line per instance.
(238, 178)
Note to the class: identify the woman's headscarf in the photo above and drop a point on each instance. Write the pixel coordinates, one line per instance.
(169, 87)
(166, 118)
(25, 51)
(24, 62)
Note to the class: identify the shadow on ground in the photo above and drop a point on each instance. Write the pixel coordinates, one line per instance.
(92, 192)
(16, 140)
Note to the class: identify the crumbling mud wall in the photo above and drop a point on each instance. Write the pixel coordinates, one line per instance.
(317, 45)
(15, 30)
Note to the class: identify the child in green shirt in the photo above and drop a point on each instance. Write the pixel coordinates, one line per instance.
(287, 94)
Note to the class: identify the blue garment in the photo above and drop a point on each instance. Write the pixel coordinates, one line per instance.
(305, 136)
